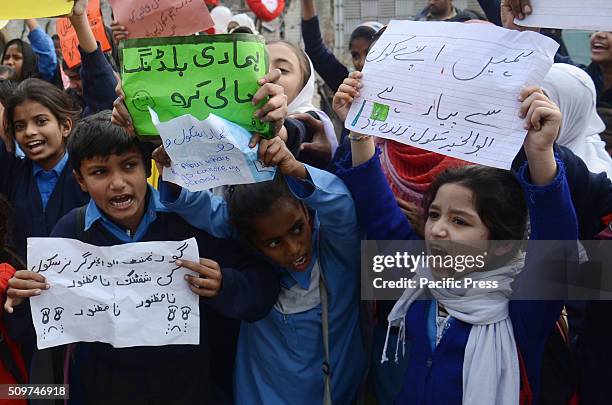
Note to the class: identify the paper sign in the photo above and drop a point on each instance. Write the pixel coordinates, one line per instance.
(22, 9)
(570, 14)
(451, 88)
(161, 18)
(194, 75)
(68, 37)
(209, 153)
(125, 295)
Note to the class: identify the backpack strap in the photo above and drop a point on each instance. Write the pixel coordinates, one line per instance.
(325, 328)
(327, 399)
(80, 224)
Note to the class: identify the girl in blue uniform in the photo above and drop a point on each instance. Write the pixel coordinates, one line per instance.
(478, 347)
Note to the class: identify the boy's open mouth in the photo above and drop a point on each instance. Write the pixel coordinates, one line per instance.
(301, 262)
(121, 201)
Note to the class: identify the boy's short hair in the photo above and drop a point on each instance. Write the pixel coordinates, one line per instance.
(96, 136)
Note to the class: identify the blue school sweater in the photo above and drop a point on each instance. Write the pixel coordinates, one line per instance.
(98, 80)
(19, 186)
(435, 376)
(175, 372)
(591, 193)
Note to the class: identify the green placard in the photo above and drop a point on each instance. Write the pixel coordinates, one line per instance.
(194, 75)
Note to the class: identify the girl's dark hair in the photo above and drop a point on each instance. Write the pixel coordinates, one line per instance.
(376, 37)
(498, 197)
(29, 67)
(2, 42)
(96, 136)
(302, 58)
(242, 30)
(249, 201)
(7, 88)
(59, 103)
(363, 31)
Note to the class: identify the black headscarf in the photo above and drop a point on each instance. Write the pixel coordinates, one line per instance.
(29, 67)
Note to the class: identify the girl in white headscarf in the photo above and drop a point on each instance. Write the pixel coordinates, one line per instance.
(574, 92)
(298, 80)
(243, 23)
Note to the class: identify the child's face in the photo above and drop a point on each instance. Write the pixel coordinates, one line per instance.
(13, 57)
(118, 186)
(284, 235)
(359, 51)
(452, 216)
(39, 134)
(282, 57)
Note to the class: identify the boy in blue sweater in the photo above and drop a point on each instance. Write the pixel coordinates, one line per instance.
(112, 167)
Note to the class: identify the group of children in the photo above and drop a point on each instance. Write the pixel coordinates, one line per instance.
(280, 271)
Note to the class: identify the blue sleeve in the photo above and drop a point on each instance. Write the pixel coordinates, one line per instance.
(377, 210)
(202, 210)
(591, 193)
(551, 211)
(492, 9)
(249, 287)
(326, 194)
(552, 218)
(324, 61)
(42, 45)
(99, 82)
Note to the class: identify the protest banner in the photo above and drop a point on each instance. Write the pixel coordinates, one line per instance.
(161, 18)
(451, 88)
(22, 9)
(68, 37)
(194, 75)
(569, 14)
(125, 295)
(209, 153)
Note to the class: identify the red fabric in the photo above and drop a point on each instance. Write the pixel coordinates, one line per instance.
(526, 396)
(212, 2)
(607, 232)
(416, 168)
(6, 272)
(262, 10)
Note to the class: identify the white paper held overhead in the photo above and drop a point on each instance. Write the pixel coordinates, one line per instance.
(570, 15)
(451, 88)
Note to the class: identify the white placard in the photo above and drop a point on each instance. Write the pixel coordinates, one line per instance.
(569, 14)
(209, 153)
(124, 295)
(451, 88)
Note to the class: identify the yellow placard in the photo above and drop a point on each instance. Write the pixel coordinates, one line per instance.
(11, 9)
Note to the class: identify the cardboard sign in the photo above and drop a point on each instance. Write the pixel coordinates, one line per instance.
(161, 18)
(22, 9)
(68, 37)
(195, 75)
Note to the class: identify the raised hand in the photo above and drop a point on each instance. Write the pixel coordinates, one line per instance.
(347, 92)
